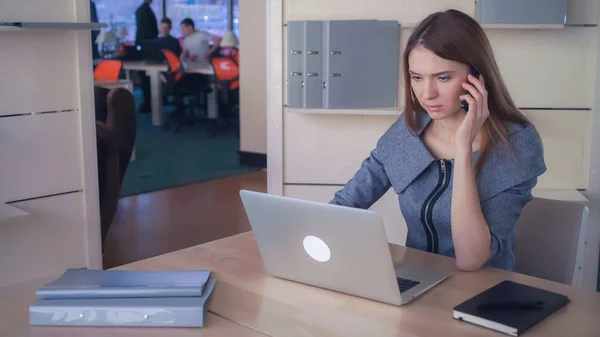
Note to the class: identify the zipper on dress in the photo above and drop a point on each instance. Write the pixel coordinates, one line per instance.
(427, 209)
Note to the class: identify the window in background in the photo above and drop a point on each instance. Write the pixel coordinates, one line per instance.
(208, 15)
(236, 18)
(118, 13)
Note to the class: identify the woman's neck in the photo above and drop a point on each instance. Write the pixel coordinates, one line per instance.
(446, 129)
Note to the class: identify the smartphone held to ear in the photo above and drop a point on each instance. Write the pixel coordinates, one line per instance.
(463, 104)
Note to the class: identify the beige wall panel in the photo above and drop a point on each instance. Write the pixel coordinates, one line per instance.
(408, 11)
(253, 76)
(40, 155)
(329, 149)
(566, 139)
(547, 68)
(47, 241)
(44, 77)
(37, 10)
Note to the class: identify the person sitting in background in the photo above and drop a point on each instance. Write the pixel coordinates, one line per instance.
(196, 45)
(166, 39)
(229, 48)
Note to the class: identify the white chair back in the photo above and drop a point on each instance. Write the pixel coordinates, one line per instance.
(550, 238)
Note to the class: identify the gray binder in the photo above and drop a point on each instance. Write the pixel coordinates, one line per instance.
(342, 64)
(521, 11)
(92, 283)
(123, 312)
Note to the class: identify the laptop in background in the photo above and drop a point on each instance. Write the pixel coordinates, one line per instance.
(131, 53)
(152, 50)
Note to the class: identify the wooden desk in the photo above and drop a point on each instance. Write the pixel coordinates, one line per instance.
(153, 70)
(245, 294)
(14, 322)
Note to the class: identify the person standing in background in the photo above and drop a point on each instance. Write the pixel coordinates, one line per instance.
(145, 22)
(146, 29)
(94, 18)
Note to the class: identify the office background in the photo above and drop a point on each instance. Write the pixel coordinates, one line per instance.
(550, 70)
(250, 16)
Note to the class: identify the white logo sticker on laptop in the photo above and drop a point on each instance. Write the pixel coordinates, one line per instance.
(316, 248)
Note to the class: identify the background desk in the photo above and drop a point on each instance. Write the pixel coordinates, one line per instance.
(111, 84)
(153, 71)
(246, 295)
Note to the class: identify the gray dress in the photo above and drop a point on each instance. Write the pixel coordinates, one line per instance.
(423, 184)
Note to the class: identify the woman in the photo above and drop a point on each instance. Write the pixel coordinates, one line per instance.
(462, 177)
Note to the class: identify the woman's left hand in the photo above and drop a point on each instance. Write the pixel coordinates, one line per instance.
(476, 115)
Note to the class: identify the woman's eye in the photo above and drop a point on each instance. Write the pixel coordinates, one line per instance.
(444, 78)
(416, 78)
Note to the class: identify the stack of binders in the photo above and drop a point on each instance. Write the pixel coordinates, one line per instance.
(88, 297)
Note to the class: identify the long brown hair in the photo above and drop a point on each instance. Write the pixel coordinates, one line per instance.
(455, 36)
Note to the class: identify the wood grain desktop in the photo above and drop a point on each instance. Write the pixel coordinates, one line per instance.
(247, 295)
(248, 302)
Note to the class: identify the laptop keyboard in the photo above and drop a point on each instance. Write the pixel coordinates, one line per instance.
(406, 284)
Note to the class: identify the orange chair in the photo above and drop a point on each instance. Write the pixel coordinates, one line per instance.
(227, 75)
(175, 65)
(182, 84)
(227, 72)
(108, 70)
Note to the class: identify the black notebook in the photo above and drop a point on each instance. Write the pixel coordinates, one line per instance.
(510, 307)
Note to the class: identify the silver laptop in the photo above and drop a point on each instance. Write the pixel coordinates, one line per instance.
(338, 248)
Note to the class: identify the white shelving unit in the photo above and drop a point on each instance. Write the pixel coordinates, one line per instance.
(521, 26)
(369, 112)
(500, 26)
(52, 25)
(49, 213)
